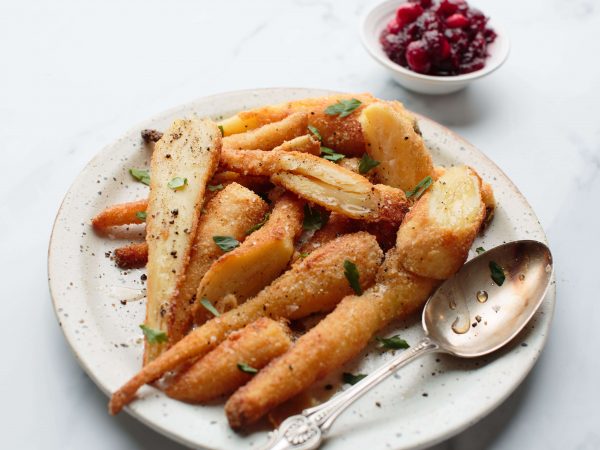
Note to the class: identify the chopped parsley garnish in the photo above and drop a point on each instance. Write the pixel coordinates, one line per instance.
(226, 243)
(497, 273)
(352, 276)
(142, 175)
(177, 183)
(215, 187)
(209, 307)
(141, 215)
(314, 131)
(331, 155)
(367, 163)
(259, 224)
(246, 368)
(222, 130)
(420, 188)
(304, 255)
(351, 378)
(392, 343)
(480, 250)
(343, 108)
(154, 336)
(313, 219)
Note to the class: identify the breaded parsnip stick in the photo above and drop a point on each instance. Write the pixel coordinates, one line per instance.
(229, 213)
(315, 284)
(303, 144)
(219, 373)
(271, 135)
(339, 337)
(261, 258)
(347, 330)
(343, 134)
(132, 256)
(321, 182)
(183, 161)
(336, 226)
(120, 214)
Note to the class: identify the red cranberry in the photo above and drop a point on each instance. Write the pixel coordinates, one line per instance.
(457, 21)
(417, 57)
(448, 7)
(438, 45)
(393, 27)
(408, 13)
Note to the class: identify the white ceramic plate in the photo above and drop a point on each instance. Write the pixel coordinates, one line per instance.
(423, 404)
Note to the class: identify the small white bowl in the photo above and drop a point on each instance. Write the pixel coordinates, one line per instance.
(375, 21)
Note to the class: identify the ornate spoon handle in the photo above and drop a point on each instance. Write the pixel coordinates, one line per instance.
(306, 431)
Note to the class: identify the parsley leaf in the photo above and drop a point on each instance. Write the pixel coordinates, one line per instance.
(209, 307)
(497, 273)
(304, 255)
(226, 243)
(142, 175)
(246, 368)
(222, 130)
(314, 131)
(154, 336)
(392, 343)
(352, 276)
(177, 183)
(418, 190)
(331, 155)
(313, 219)
(366, 163)
(351, 378)
(343, 108)
(141, 215)
(480, 250)
(215, 187)
(259, 224)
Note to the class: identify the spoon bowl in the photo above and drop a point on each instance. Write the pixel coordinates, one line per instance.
(472, 315)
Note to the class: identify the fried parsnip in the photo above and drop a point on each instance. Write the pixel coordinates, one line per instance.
(339, 337)
(183, 161)
(227, 367)
(347, 330)
(336, 226)
(120, 214)
(444, 223)
(261, 258)
(343, 134)
(303, 144)
(231, 212)
(132, 256)
(269, 136)
(322, 182)
(393, 140)
(313, 285)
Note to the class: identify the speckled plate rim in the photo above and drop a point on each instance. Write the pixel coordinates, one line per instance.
(153, 421)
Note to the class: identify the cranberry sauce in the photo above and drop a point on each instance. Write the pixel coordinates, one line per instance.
(445, 38)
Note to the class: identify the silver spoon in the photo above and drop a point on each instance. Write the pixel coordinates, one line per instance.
(469, 315)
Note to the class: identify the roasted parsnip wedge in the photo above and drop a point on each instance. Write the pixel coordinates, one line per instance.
(397, 293)
(132, 256)
(321, 182)
(232, 363)
(393, 139)
(315, 284)
(120, 214)
(303, 144)
(444, 223)
(231, 212)
(343, 134)
(183, 161)
(262, 257)
(269, 136)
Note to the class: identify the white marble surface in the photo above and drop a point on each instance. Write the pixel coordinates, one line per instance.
(74, 75)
